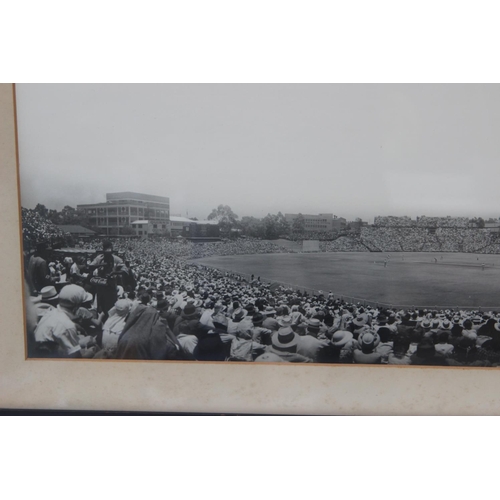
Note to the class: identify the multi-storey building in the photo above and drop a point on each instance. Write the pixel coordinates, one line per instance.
(115, 216)
(318, 223)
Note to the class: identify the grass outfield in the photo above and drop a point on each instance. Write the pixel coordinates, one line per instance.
(409, 278)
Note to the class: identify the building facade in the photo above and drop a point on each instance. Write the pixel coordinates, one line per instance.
(318, 223)
(194, 229)
(116, 215)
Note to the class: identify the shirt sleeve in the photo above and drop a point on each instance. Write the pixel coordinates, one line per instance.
(96, 261)
(67, 338)
(119, 264)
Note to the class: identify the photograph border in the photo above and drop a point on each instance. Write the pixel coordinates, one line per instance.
(98, 385)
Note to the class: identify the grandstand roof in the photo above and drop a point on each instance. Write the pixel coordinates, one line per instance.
(75, 229)
(174, 218)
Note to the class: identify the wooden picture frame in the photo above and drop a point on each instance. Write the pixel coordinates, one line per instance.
(203, 387)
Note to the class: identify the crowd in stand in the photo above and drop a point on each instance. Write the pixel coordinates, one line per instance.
(343, 244)
(423, 221)
(415, 239)
(189, 250)
(152, 303)
(38, 229)
(317, 235)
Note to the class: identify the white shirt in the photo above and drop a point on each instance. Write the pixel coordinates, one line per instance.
(56, 326)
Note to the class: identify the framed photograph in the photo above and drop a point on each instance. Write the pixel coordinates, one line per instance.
(278, 248)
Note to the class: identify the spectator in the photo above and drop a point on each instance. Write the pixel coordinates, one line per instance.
(114, 325)
(365, 353)
(399, 354)
(57, 335)
(426, 354)
(284, 344)
(143, 336)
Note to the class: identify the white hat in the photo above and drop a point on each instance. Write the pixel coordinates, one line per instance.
(74, 295)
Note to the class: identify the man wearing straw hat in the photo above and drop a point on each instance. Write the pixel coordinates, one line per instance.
(57, 334)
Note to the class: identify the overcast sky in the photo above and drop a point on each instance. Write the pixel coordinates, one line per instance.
(350, 150)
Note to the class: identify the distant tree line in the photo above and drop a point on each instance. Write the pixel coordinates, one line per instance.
(67, 216)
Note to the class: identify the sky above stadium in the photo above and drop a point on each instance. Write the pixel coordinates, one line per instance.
(351, 150)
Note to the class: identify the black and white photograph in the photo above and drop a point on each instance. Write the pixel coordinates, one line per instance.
(261, 223)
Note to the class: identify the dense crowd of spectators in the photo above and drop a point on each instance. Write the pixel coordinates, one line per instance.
(189, 250)
(423, 221)
(406, 239)
(343, 244)
(37, 229)
(152, 303)
(388, 234)
(317, 235)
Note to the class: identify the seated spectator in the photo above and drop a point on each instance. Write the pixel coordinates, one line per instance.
(46, 301)
(400, 350)
(284, 344)
(143, 336)
(487, 328)
(442, 346)
(270, 321)
(260, 334)
(210, 347)
(426, 354)
(469, 330)
(313, 327)
(466, 353)
(385, 346)
(365, 353)
(342, 342)
(456, 329)
(56, 334)
(187, 328)
(114, 325)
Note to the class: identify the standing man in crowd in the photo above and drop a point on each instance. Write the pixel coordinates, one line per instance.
(107, 267)
(38, 271)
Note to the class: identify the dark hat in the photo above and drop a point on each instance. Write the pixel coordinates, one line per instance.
(250, 308)
(467, 324)
(313, 324)
(162, 304)
(239, 314)
(257, 319)
(189, 312)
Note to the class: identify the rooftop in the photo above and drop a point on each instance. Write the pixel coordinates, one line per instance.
(74, 229)
(175, 218)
